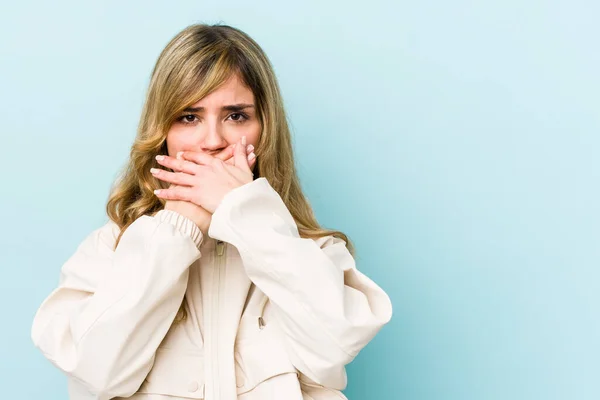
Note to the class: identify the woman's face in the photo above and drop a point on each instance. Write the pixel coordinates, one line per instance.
(216, 121)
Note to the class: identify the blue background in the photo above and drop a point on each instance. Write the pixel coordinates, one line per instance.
(455, 142)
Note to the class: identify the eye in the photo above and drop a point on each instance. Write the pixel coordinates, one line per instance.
(240, 119)
(187, 119)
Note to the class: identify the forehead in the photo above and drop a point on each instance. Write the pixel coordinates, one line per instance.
(232, 91)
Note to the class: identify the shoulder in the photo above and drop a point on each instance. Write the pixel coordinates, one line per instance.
(329, 240)
(103, 238)
(91, 259)
(99, 243)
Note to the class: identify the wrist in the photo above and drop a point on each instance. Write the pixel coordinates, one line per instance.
(203, 224)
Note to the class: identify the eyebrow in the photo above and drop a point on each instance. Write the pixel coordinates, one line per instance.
(231, 107)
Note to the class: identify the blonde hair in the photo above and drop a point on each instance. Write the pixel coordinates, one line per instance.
(193, 64)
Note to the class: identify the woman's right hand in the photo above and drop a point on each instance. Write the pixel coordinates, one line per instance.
(199, 215)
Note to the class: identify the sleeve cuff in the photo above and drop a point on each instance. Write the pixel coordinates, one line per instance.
(250, 206)
(182, 223)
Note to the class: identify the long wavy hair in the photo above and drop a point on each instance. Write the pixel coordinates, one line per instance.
(193, 64)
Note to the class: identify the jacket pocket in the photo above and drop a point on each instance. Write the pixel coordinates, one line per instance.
(259, 357)
(177, 374)
(255, 317)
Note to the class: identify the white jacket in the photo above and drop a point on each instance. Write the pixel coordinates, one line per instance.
(270, 315)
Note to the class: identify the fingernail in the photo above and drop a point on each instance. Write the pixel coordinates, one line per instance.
(179, 153)
(243, 140)
(154, 170)
(250, 147)
(251, 156)
(159, 157)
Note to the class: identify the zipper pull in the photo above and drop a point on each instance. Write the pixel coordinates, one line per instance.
(261, 321)
(220, 247)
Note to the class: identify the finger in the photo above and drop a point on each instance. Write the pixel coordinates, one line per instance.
(178, 178)
(240, 157)
(249, 150)
(226, 154)
(251, 159)
(243, 174)
(177, 164)
(251, 165)
(198, 158)
(174, 193)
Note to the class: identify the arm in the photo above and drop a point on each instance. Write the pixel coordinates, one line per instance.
(327, 309)
(111, 310)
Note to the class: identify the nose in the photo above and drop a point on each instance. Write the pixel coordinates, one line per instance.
(211, 137)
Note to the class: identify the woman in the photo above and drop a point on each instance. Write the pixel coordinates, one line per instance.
(221, 285)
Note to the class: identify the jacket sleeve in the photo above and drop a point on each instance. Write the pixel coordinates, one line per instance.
(111, 309)
(327, 309)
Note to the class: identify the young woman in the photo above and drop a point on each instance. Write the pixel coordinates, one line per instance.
(220, 285)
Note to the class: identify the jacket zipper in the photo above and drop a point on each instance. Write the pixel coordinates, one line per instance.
(220, 250)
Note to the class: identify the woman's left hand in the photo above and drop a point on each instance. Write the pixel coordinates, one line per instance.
(202, 179)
